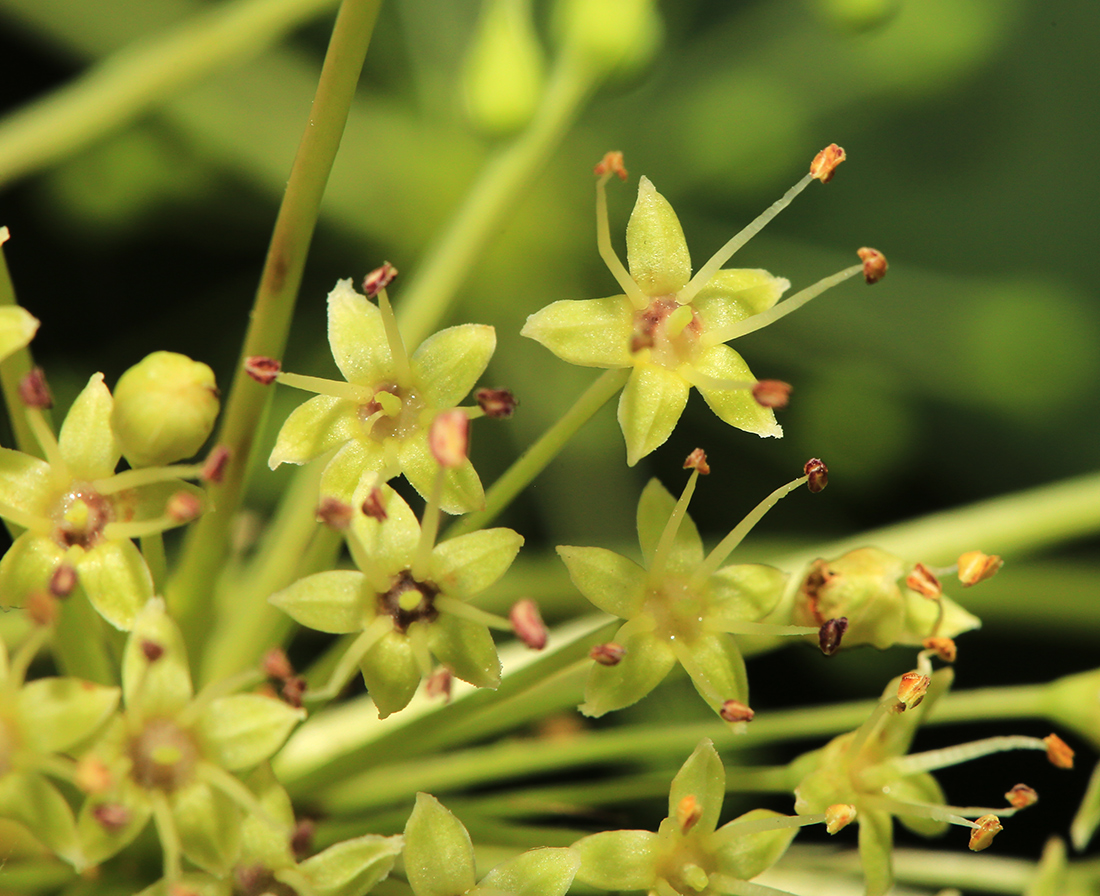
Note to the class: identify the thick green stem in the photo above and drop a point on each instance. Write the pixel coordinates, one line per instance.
(535, 459)
(190, 592)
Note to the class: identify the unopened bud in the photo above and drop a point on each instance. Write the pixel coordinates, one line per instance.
(688, 813)
(334, 513)
(826, 161)
(839, 816)
(736, 711)
(609, 654)
(697, 460)
(379, 279)
(499, 404)
(63, 580)
(373, 507)
(183, 507)
(213, 470)
(611, 163)
(262, 369)
(1021, 796)
(974, 567)
(817, 474)
(527, 623)
(771, 393)
(277, 665)
(830, 635)
(92, 775)
(911, 690)
(944, 648)
(111, 816)
(439, 684)
(924, 582)
(449, 438)
(1058, 751)
(34, 391)
(152, 651)
(874, 264)
(42, 608)
(988, 827)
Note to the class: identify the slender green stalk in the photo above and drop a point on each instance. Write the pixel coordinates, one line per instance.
(12, 370)
(535, 459)
(190, 591)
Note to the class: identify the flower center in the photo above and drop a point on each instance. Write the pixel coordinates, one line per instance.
(164, 756)
(409, 601)
(685, 865)
(668, 329)
(80, 517)
(400, 407)
(677, 610)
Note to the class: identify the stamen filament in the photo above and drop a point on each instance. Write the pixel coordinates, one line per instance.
(221, 688)
(47, 441)
(349, 662)
(169, 838)
(772, 823)
(322, 386)
(607, 252)
(473, 614)
(668, 535)
(952, 814)
(418, 641)
(707, 271)
(397, 345)
(27, 520)
(764, 318)
(219, 778)
(768, 628)
(429, 529)
(702, 381)
(118, 482)
(948, 756)
(141, 528)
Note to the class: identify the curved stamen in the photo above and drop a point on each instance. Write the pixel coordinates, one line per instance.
(607, 252)
(393, 337)
(947, 756)
(322, 386)
(474, 614)
(349, 662)
(118, 482)
(668, 536)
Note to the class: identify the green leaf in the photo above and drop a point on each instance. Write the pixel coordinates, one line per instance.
(439, 857)
(242, 730)
(209, 826)
(612, 582)
(733, 294)
(390, 673)
(116, 579)
(332, 601)
(654, 509)
(448, 363)
(314, 427)
(649, 409)
(537, 872)
(469, 564)
(736, 407)
(352, 867)
(644, 665)
(716, 667)
(876, 844)
(618, 860)
(357, 337)
(55, 714)
(86, 441)
(743, 856)
(704, 778)
(589, 333)
(656, 251)
(466, 648)
(161, 687)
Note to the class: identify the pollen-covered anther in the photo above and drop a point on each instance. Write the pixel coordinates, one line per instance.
(1058, 751)
(911, 690)
(213, 469)
(183, 507)
(609, 654)
(771, 393)
(944, 648)
(500, 404)
(1021, 796)
(42, 608)
(974, 567)
(831, 634)
(987, 827)
(826, 161)
(111, 816)
(874, 264)
(817, 474)
(439, 684)
(92, 775)
(277, 665)
(262, 369)
(373, 506)
(527, 623)
(611, 163)
(449, 438)
(151, 650)
(379, 279)
(63, 580)
(334, 513)
(688, 813)
(34, 391)
(924, 582)
(838, 816)
(697, 460)
(736, 711)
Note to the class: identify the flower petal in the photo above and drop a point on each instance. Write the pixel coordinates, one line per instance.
(86, 441)
(25, 482)
(537, 872)
(384, 547)
(357, 337)
(314, 427)
(101, 841)
(55, 714)
(649, 409)
(27, 567)
(470, 563)
(744, 592)
(462, 491)
(704, 778)
(590, 333)
(350, 467)
(619, 860)
(32, 800)
(449, 363)
(158, 682)
(439, 857)
(656, 251)
(743, 856)
(644, 665)
(390, 673)
(17, 328)
(466, 648)
(736, 293)
(331, 601)
(261, 842)
(242, 730)
(736, 407)
(716, 668)
(352, 867)
(116, 579)
(209, 826)
(654, 509)
(614, 583)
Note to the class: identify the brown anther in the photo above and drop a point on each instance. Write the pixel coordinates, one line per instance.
(277, 665)
(609, 654)
(1021, 796)
(771, 393)
(500, 404)
(697, 460)
(262, 369)
(63, 580)
(988, 827)
(817, 474)
(439, 684)
(373, 507)
(183, 507)
(924, 582)
(974, 567)
(92, 775)
(825, 162)
(611, 163)
(911, 690)
(334, 513)
(1058, 751)
(152, 651)
(112, 816)
(736, 711)
(838, 816)
(449, 438)
(688, 813)
(301, 841)
(379, 279)
(944, 648)
(34, 391)
(874, 264)
(831, 634)
(294, 688)
(527, 623)
(42, 608)
(213, 470)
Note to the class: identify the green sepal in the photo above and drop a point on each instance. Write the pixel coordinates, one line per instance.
(466, 648)
(462, 489)
(330, 601)
(737, 407)
(644, 665)
(390, 673)
(447, 364)
(314, 427)
(612, 582)
(242, 730)
(744, 592)
(439, 857)
(25, 482)
(618, 860)
(470, 563)
(743, 856)
(116, 579)
(654, 509)
(921, 788)
(27, 567)
(352, 867)
(17, 329)
(922, 614)
(703, 777)
(163, 687)
(56, 714)
(86, 441)
(656, 251)
(538, 872)
(32, 800)
(386, 546)
(209, 826)
(717, 669)
(649, 408)
(100, 842)
(357, 337)
(876, 845)
(733, 294)
(261, 842)
(589, 332)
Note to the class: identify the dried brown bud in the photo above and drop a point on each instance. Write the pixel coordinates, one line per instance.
(830, 635)
(42, 608)
(92, 775)
(527, 623)
(63, 580)
(826, 161)
(499, 404)
(294, 688)
(817, 474)
(974, 567)
(213, 470)
(373, 507)
(183, 507)
(152, 650)
(688, 813)
(1058, 751)
(771, 393)
(439, 684)
(34, 391)
(988, 827)
(911, 690)
(262, 369)
(736, 711)
(277, 665)
(609, 654)
(874, 264)
(924, 582)
(334, 513)
(112, 816)
(449, 438)
(697, 460)
(839, 816)
(944, 648)
(301, 841)
(611, 163)
(379, 279)
(1021, 796)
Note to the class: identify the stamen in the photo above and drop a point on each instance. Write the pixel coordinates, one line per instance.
(232, 787)
(668, 536)
(474, 614)
(396, 343)
(935, 811)
(118, 482)
(169, 838)
(603, 233)
(48, 442)
(767, 629)
(349, 662)
(947, 756)
(773, 823)
(736, 711)
(974, 567)
(322, 386)
(418, 641)
(527, 623)
(142, 528)
(37, 524)
(677, 321)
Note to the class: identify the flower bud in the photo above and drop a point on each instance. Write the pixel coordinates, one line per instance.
(613, 36)
(504, 72)
(527, 623)
(164, 409)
